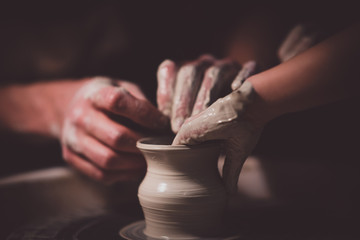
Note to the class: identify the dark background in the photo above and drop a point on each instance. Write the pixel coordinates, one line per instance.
(50, 40)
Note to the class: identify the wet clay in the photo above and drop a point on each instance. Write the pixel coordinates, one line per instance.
(182, 195)
(247, 70)
(217, 121)
(166, 79)
(187, 85)
(86, 92)
(215, 84)
(229, 120)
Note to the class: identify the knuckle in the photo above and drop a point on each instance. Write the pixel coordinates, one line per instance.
(118, 138)
(189, 69)
(115, 100)
(212, 71)
(77, 114)
(109, 160)
(185, 71)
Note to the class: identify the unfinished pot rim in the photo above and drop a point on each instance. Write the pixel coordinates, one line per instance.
(164, 143)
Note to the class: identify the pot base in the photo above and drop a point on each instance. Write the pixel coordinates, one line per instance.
(135, 231)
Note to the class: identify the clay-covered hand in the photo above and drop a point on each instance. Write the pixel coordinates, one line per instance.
(188, 90)
(229, 119)
(101, 126)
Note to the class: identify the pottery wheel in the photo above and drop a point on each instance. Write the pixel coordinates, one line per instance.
(135, 231)
(104, 227)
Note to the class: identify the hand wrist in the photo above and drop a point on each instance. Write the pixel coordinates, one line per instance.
(36, 108)
(58, 96)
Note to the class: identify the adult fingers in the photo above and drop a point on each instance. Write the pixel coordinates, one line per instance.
(121, 102)
(234, 162)
(82, 164)
(188, 82)
(216, 83)
(109, 132)
(248, 69)
(166, 78)
(134, 89)
(215, 122)
(104, 157)
(108, 177)
(219, 120)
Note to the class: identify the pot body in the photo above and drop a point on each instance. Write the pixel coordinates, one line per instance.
(182, 194)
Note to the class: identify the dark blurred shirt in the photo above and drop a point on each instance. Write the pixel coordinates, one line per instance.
(46, 40)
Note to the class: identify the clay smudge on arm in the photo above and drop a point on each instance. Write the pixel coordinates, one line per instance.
(166, 79)
(188, 82)
(215, 84)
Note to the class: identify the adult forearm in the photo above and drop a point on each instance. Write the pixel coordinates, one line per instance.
(325, 73)
(36, 108)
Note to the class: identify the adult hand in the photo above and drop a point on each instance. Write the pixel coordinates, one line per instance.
(229, 118)
(101, 126)
(187, 90)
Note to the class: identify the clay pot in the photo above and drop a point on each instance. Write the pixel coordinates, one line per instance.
(182, 194)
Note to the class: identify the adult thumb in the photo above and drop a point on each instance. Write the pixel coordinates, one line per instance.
(234, 162)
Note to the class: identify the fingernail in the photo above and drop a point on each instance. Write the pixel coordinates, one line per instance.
(176, 124)
(236, 84)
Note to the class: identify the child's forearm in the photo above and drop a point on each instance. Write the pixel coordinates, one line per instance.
(325, 73)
